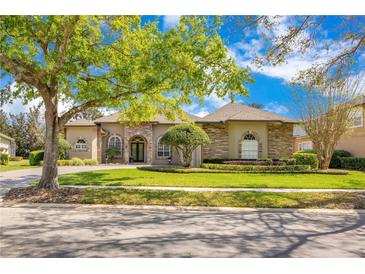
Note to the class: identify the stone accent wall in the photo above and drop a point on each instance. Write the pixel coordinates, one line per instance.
(218, 134)
(145, 131)
(280, 140)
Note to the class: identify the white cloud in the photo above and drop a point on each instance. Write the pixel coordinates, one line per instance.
(170, 21)
(201, 113)
(275, 107)
(216, 102)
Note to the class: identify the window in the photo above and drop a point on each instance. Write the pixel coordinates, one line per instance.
(81, 145)
(357, 118)
(305, 146)
(163, 151)
(249, 147)
(115, 142)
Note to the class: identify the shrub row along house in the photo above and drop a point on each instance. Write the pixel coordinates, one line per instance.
(353, 141)
(236, 131)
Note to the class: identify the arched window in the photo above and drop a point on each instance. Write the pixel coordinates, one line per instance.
(249, 147)
(81, 145)
(115, 142)
(163, 151)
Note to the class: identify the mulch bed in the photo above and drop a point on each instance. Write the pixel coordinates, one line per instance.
(38, 195)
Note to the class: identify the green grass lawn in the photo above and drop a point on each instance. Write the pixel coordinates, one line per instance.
(232, 199)
(16, 165)
(135, 177)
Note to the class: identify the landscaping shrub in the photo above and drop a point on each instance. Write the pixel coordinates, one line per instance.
(355, 163)
(337, 154)
(77, 162)
(16, 158)
(266, 162)
(4, 159)
(306, 159)
(90, 162)
(64, 162)
(289, 168)
(260, 162)
(310, 151)
(35, 157)
(289, 161)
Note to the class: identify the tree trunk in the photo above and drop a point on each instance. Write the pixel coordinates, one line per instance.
(49, 177)
(325, 163)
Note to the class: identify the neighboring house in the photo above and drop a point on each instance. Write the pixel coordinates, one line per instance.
(235, 130)
(353, 141)
(7, 145)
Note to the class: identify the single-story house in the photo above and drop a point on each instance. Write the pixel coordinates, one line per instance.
(235, 130)
(353, 141)
(7, 145)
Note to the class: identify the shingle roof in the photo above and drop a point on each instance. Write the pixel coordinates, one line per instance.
(240, 112)
(161, 119)
(80, 123)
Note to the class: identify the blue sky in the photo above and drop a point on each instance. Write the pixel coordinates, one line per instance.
(271, 86)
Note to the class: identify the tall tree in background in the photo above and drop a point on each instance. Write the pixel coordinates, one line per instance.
(327, 113)
(89, 114)
(4, 123)
(113, 61)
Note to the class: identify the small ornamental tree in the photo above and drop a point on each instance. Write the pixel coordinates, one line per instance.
(185, 139)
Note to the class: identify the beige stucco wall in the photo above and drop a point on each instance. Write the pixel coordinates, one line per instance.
(5, 145)
(110, 129)
(236, 131)
(87, 133)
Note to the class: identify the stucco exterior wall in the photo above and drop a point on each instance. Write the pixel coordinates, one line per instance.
(7, 146)
(89, 134)
(236, 130)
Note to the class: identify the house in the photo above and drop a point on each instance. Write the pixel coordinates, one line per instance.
(7, 145)
(235, 130)
(353, 141)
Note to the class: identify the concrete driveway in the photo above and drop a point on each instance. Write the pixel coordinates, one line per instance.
(19, 178)
(93, 231)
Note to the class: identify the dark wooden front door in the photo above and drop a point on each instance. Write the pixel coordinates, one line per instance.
(137, 152)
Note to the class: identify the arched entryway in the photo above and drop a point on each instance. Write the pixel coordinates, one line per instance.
(137, 153)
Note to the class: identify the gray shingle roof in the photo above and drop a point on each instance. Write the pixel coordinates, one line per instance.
(240, 112)
(80, 123)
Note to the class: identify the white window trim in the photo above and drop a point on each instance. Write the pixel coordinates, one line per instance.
(80, 147)
(163, 151)
(303, 143)
(120, 140)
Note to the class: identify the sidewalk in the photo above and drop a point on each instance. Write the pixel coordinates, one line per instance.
(221, 189)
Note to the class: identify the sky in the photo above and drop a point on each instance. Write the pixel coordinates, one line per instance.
(271, 87)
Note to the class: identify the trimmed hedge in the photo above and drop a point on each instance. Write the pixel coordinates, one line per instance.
(258, 162)
(35, 157)
(90, 162)
(76, 162)
(337, 154)
(16, 158)
(269, 169)
(4, 159)
(306, 159)
(355, 163)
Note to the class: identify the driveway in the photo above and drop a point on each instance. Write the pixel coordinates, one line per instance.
(18, 178)
(112, 231)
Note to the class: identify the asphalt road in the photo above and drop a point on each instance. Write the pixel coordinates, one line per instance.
(86, 231)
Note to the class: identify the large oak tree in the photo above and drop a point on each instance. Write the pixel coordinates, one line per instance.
(114, 61)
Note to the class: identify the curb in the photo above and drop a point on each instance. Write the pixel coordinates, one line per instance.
(183, 208)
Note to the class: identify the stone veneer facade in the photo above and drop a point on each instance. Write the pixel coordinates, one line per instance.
(280, 140)
(218, 134)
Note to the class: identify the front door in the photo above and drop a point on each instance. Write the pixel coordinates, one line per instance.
(137, 152)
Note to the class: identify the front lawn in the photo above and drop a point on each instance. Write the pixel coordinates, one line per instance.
(16, 165)
(184, 198)
(135, 177)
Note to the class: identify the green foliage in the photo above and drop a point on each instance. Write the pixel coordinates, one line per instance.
(337, 154)
(185, 138)
(259, 169)
(90, 162)
(4, 159)
(306, 159)
(111, 153)
(16, 158)
(262, 162)
(355, 163)
(35, 157)
(289, 161)
(311, 151)
(63, 147)
(75, 161)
